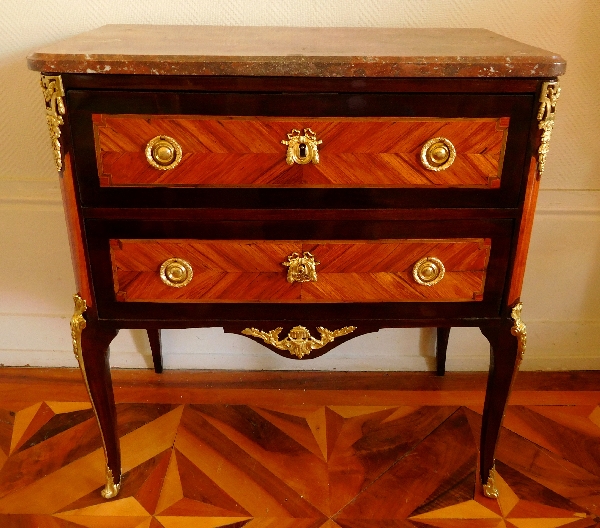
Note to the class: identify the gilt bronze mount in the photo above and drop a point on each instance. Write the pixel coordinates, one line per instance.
(54, 92)
(298, 342)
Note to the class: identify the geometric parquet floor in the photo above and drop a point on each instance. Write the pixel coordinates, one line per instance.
(277, 454)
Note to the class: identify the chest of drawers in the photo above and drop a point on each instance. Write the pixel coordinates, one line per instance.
(299, 186)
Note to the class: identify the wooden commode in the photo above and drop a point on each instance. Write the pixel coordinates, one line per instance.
(300, 186)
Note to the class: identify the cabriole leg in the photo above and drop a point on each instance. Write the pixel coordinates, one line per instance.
(507, 346)
(91, 347)
(155, 346)
(441, 345)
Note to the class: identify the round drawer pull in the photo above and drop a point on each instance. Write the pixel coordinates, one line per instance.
(428, 271)
(438, 154)
(176, 272)
(163, 153)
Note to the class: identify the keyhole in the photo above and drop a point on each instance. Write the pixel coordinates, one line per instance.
(302, 150)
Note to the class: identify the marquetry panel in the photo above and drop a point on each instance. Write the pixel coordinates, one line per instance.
(252, 271)
(382, 152)
(254, 450)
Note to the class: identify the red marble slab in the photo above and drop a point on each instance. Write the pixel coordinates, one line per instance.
(287, 51)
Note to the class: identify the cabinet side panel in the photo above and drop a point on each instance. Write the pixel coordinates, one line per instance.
(531, 194)
(72, 218)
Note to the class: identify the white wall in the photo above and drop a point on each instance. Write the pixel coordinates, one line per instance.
(562, 283)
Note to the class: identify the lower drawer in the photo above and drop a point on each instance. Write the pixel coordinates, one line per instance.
(292, 271)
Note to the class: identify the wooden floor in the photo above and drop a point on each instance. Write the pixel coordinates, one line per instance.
(289, 450)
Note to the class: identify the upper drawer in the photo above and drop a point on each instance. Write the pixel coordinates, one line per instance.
(259, 151)
(232, 156)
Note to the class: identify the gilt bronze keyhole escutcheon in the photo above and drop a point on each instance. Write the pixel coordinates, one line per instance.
(301, 268)
(302, 148)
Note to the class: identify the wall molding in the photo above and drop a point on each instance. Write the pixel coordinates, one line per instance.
(552, 345)
(550, 201)
(30, 192)
(568, 201)
(35, 333)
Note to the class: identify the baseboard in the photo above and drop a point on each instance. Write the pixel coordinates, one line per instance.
(552, 345)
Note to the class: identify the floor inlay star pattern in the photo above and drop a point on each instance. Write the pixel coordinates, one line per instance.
(260, 465)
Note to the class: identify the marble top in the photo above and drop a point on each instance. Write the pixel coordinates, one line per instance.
(287, 51)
